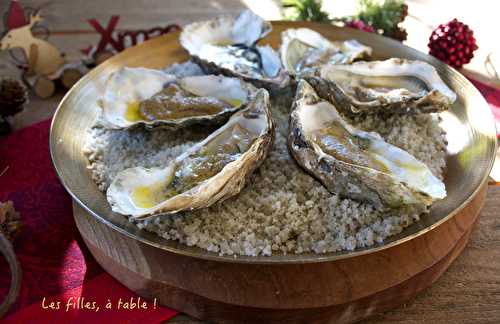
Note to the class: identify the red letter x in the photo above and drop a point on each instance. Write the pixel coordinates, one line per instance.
(106, 34)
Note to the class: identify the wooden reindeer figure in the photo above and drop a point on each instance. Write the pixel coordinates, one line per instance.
(43, 58)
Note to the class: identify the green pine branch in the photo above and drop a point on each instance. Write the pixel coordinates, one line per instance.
(306, 10)
(384, 15)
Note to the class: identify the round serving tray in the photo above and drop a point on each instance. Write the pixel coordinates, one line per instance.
(344, 286)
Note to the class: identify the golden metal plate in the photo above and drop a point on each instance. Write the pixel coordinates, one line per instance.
(469, 125)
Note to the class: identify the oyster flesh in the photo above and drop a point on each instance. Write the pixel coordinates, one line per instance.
(393, 86)
(210, 171)
(151, 97)
(303, 48)
(227, 45)
(354, 163)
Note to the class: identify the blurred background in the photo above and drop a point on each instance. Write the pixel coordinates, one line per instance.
(65, 19)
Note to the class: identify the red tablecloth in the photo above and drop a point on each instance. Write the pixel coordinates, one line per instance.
(55, 262)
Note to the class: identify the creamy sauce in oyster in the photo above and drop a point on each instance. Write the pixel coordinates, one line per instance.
(198, 167)
(173, 102)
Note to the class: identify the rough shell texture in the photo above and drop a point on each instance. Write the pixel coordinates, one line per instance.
(297, 44)
(348, 179)
(273, 85)
(393, 86)
(129, 85)
(227, 183)
(247, 28)
(224, 88)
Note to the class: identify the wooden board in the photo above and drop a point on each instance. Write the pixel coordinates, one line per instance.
(469, 291)
(342, 290)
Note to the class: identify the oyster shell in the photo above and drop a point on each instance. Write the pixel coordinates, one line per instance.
(393, 86)
(303, 48)
(153, 98)
(212, 170)
(354, 163)
(227, 45)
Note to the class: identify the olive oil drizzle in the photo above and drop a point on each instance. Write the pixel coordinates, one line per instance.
(338, 142)
(198, 167)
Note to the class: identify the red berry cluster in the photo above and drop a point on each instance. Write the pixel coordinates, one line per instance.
(359, 24)
(453, 43)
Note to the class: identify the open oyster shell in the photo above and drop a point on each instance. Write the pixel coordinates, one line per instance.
(210, 171)
(393, 86)
(227, 45)
(354, 163)
(303, 48)
(153, 98)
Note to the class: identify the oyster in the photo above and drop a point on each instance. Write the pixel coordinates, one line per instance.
(227, 45)
(393, 86)
(354, 163)
(143, 96)
(212, 170)
(303, 48)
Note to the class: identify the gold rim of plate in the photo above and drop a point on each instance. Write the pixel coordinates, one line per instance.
(469, 160)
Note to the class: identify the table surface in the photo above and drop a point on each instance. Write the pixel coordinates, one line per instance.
(469, 291)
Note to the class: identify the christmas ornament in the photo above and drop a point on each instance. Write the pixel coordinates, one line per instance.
(10, 220)
(9, 226)
(5, 127)
(43, 58)
(453, 43)
(44, 64)
(13, 96)
(16, 17)
(359, 24)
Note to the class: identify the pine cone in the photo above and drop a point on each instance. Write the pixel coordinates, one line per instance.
(397, 33)
(5, 127)
(10, 220)
(404, 12)
(13, 96)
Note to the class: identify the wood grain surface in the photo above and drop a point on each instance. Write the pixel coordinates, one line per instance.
(469, 291)
(338, 291)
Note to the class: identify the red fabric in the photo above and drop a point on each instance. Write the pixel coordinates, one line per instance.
(492, 96)
(53, 257)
